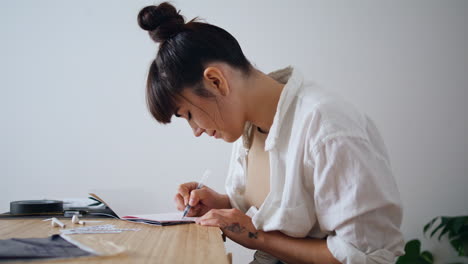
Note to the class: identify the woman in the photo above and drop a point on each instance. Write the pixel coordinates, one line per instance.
(309, 179)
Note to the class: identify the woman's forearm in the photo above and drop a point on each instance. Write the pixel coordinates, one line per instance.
(225, 203)
(295, 250)
(239, 228)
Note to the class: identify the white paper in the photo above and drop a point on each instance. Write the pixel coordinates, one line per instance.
(134, 205)
(166, 217)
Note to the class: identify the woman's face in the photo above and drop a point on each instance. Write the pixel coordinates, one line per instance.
(217, 116)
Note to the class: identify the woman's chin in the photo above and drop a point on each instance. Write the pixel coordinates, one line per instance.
(229, 139)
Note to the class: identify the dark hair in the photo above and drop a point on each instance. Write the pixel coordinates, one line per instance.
(184, 50)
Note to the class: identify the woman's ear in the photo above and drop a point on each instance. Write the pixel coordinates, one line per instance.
(215, 81)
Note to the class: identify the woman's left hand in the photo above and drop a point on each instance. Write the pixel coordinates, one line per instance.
(235, 224)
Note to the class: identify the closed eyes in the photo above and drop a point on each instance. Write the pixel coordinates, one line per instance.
(189, 115)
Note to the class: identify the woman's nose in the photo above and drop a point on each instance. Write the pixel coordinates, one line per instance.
(198, 131)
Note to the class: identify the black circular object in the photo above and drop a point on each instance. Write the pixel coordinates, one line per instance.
(32, 207)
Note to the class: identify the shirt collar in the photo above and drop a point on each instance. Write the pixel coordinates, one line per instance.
(293, 80)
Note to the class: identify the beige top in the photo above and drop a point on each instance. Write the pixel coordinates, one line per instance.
(258, 170)
(257, 162)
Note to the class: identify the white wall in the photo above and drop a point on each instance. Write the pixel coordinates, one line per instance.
(73, 115)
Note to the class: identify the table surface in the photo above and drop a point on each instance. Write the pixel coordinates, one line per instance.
(187, 243)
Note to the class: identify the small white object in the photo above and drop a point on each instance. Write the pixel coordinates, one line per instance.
(81, 222)
(57, 223)
(75, 219)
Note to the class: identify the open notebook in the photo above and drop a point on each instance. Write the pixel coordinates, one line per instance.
(164, 219)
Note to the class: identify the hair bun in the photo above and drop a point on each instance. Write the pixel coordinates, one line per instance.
(162, 21)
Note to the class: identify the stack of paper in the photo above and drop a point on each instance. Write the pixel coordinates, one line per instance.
(174, 218)
(160, 219)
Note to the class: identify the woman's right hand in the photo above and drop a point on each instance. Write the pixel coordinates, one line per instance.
(201, 200)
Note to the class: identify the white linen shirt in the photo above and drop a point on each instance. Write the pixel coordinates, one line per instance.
(330, 176)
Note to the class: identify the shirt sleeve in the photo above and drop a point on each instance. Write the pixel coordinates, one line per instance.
(357, 201)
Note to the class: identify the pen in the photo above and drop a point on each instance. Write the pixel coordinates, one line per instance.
(200, 185)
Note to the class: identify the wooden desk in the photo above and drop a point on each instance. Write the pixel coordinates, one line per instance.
(188, 243)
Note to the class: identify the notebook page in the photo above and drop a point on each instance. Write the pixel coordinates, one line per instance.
(165, 217)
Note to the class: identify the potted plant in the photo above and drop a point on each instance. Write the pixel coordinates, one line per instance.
(456, 228)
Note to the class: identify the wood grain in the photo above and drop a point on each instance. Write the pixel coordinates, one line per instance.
(188, 243)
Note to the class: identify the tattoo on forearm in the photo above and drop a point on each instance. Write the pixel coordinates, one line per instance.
(236, 228)
(253, 235)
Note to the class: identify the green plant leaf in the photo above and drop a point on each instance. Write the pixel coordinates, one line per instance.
(428, 225)
(406, 260)
(401, 260)
(443, 221)
(464, 247)
(436, 229)
(458, 246)
(413, 248)
(413, 255)
(458, 227)
(455, 227)
(458, 224)
(444, 231)
(411, 260)
(427, 256)
(464, 232)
